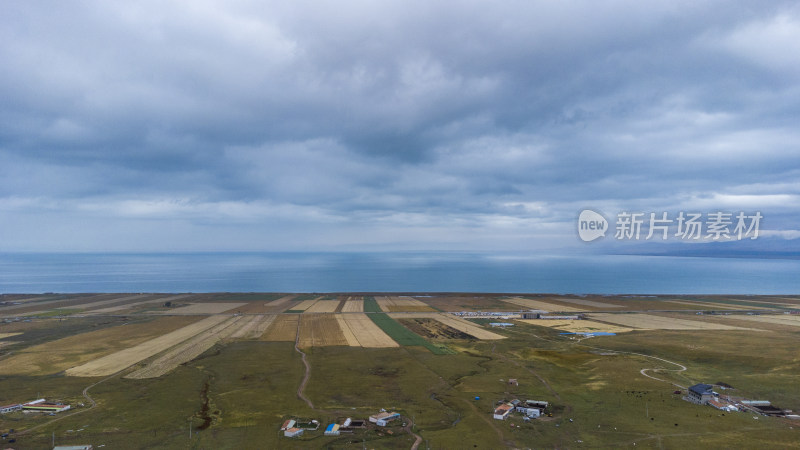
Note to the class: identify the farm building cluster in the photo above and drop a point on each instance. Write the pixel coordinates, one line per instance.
(704, 394)
(530, 409)
(40, 405)
(297, 427)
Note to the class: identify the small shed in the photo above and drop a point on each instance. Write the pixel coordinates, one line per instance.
(293, 432)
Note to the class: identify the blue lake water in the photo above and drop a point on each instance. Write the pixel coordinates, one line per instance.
(398, 272)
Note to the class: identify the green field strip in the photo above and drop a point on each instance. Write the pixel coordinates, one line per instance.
(404, 336)
(371, 305)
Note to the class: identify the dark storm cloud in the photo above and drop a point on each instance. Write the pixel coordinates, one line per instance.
(369, 123)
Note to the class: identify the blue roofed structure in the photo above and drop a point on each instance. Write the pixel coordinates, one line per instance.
(700, 393)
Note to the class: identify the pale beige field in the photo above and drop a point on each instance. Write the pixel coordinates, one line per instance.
(135, 305)
(592, 303)
(261, 307)
(323, 306)
(252, 327)
(302, 305)
(398, 304)
(122, 359)
(450, 320)
(576, 326)
(8, 335)
(707, 305)
(792, 320)
(653, 322)
(366, 332)
(318, 330)
(188, 350)
(353, 306)
(204, 308)
(283, 328)
(538, 304)
(60, 354)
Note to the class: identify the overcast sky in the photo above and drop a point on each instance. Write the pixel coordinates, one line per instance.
(475, 126)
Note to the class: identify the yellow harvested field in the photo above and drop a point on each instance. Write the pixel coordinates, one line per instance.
(252, 327)
(188, 350)
(366, 332)
(792, 320)
(652, 322)
(399, 304)
(707, 305)
(450, 320)
(347, 332)
(128, 306)
(113, 363)
(353, 306)
(576, 326)
(283, 328)
(592, 303)
(538, 304)
(302, 305)
(318, 330)
(8, 335)
(204, 308)
(60, 354)
(323, 306)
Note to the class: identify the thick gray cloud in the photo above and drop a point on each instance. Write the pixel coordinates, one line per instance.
(364, 125)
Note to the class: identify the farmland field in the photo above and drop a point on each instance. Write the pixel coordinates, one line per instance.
(540, 305)
(232, 380)
(204, 308)
(187, 350)
(788, 320)
(576, 326)
(366, 332)
(319, 330)
(323, 306)
(253, 327)
(708, 305)
(122, 359)
(301, 305)
(353, 305)
(653, 322)
(591, 303)
(283, 328)
(136, 304)
(450, 320)
(392, 304)
(61, 354)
